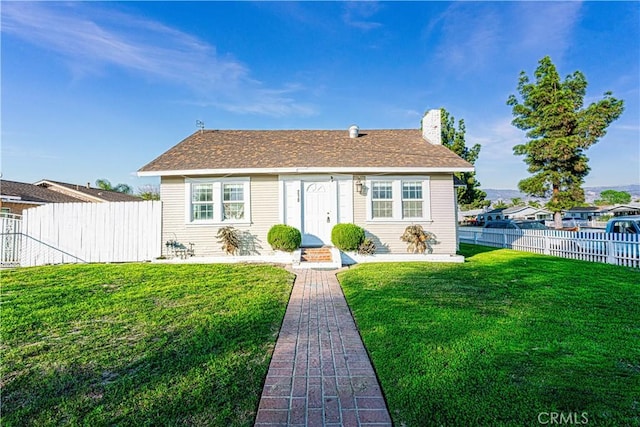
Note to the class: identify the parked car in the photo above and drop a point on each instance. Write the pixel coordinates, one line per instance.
(624, 224)
(625, 242)
(516, 224)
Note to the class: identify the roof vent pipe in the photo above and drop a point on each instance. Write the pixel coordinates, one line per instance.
(354, 131)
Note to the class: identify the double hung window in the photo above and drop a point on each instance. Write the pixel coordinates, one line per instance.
(398, 199)
(382, 199)
(217, 200)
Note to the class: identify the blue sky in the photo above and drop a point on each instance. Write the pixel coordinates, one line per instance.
(97, 90)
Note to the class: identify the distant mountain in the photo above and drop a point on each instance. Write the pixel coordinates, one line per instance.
(590, 193)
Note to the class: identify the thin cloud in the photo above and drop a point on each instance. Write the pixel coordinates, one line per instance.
(359, 14)
(469, 38)
(544, 28)
(498, 140)
(92, 38)
(12, 151)
(472, 36)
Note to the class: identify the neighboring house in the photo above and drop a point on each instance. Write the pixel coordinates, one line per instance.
(527, 212)
(15, 196)
(595, 212)
(492, 215)
(382, 180)
(469, 217)
(586, 213)
(86, 193)
(618, 210)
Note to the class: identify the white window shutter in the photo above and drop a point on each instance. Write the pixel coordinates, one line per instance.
(345, 200)
(292, 203)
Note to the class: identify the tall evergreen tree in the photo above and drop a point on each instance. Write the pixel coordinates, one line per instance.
(559, 130)
(469, 195)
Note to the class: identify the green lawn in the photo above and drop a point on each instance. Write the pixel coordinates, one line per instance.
(138, 344)
(506, 338)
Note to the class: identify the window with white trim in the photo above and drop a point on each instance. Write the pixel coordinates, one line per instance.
(412, 201)
(399, 198)
(211, 200)
(202, 202)
(233, 201)
(382, 199)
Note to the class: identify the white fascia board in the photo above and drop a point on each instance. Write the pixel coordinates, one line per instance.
(11, 199)
(322, 170)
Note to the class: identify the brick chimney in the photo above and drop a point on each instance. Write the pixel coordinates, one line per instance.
(431, 127)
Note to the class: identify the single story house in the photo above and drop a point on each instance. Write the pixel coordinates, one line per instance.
(382, 180)
(622, 209)
(469, 217)
(583, 213)
(16, 196)
(527, 212)
(491, 215)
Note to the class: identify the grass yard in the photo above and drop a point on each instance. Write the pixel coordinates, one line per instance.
(508, 338)
(138, 344)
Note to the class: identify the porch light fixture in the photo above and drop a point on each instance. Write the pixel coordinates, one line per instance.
(359, 186)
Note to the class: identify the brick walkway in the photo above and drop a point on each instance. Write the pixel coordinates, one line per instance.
(320, 374)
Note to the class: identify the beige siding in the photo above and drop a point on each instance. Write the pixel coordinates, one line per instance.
(443, 225)
(264, 214)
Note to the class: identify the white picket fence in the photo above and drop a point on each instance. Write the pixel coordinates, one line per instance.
(10, 240)
(594, 246)
(91, 232)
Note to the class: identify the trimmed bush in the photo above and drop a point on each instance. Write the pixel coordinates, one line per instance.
(283, 237)
(347, 237)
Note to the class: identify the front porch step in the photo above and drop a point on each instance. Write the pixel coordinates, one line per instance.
(316, 255)
(325, 258)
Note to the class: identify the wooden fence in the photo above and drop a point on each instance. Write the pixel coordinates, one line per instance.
(91, 232)
(594, 246)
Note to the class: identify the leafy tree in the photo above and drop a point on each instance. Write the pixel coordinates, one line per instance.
(534, 203)
(149, 192)
(469, 195)
(559, 130)
(499, 205)
(120, 188)
(613, 197)
(516, 201)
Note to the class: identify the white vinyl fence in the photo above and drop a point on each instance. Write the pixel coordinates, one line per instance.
(594, 246)
(91, 232)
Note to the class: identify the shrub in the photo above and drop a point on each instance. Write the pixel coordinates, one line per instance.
(347, 237)
(230, 239)
(367, 247)
(283, 237)
(419, 241)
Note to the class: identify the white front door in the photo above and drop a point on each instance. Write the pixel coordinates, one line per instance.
(318, 212)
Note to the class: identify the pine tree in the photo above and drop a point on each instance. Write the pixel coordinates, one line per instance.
(559, 130)
(469, 196)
